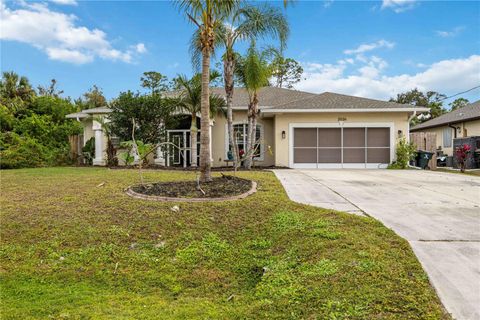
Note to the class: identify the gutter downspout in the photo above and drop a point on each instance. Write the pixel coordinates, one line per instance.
(408, 136)
(410, 119)
(454, 131)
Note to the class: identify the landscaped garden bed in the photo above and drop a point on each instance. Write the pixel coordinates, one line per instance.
(73, 246)
(220, 188)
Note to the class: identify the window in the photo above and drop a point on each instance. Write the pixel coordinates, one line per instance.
(240, 131)
(447, 137)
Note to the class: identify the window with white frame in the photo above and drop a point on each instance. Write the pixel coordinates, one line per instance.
(240, 132)
(447, 137)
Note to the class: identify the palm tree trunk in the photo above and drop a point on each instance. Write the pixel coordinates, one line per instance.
(248, 147)
(193, 141)
(252, 130)
(228, 69)
(205, 161)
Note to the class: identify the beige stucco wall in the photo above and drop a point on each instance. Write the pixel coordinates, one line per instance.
(219, 138)
(472, 127)
(87, 130)
(282, 121)
(464, 129)
(273, 127)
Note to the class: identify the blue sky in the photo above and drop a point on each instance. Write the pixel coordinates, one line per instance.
(372, 48)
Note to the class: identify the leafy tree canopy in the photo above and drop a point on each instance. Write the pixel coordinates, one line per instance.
(34, 130)
(152, 114)
(154, 81)
(285, 72)
(458, 103)
(50, 90)
(430, 99)
(94, 98)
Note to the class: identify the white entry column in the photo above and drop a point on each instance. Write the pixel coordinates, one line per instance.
(160, 158)
(210, 135)
(99, 159)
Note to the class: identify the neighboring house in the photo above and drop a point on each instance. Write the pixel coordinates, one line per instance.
(463, 122)
(302, 130)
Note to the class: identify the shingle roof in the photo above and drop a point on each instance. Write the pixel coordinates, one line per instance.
(469, 112)
(97, 110)
(334, 101)
(272, 99)
(268, 96)
(77, 115)
(87, 112)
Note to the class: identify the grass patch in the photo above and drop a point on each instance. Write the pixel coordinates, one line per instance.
(72, 250)
(475, 173)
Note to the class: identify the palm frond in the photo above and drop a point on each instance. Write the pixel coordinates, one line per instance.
(261, 22)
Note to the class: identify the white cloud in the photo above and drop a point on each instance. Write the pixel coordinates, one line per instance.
(446, 76)
(327, 3)
(65, 2)
(398, 5)
(452, 33)
(370, 46)
(59, 35)
(140, 48)
(66, 55)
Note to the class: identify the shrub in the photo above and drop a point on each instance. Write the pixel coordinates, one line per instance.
(88, 150)
(405, 151)
(19, 152)
(461, 154)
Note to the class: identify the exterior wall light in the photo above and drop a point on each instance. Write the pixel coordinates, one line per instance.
(400, 133)
(283, 134)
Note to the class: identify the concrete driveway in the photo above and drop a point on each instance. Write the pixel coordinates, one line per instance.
(438, 213)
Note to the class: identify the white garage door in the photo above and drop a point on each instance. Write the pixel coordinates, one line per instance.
(352, 147)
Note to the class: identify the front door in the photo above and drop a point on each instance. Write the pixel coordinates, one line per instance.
(179, 149)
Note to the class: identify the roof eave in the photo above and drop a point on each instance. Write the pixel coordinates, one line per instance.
(345, 110)
(97, 110)
(445, 123)
(78, 115)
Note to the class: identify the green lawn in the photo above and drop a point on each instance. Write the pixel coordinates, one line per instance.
(468, 172)
(72, 250)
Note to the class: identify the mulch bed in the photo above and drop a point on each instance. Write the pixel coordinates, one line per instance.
(219, 187)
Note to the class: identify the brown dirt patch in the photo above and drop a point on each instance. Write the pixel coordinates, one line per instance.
(219, 187)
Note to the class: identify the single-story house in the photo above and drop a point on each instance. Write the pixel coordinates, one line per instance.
(460, 123)
(295, 129)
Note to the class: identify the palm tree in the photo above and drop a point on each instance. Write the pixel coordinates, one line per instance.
(189, 101)
(207, 16)
(14, 87)
(247, 23)
(253, 71)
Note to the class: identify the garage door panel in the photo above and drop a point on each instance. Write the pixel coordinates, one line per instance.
(305, 155)
(305, 137)
(378, 137)
(354, 137)
(329, 137)
(330, 155)
(354, 155)
(345, 147)
(378, 155)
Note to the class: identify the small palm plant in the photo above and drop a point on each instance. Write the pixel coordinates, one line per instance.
(253, 71)
(247, 23)
(189, 101)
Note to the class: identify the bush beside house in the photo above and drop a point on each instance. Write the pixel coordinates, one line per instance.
(34, 130)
